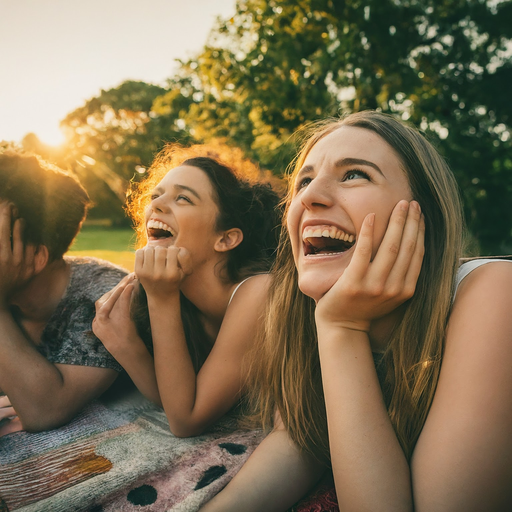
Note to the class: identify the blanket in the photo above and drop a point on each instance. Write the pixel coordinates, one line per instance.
(119, 455)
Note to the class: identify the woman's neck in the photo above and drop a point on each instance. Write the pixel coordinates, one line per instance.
(210, 295)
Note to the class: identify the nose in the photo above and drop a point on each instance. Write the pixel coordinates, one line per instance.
(158, 204)
(318, 194)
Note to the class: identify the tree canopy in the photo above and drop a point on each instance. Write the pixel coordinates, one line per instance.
(444, 65)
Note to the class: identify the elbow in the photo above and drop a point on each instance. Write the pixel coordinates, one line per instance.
(33, 425)
(185, 429)
(42, 421)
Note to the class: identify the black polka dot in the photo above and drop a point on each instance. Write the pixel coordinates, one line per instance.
(3, 506)
(209, 476)
(143, 495)
(233, 448)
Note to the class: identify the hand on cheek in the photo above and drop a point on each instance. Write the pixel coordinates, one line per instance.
(369, 289)
(16, 258)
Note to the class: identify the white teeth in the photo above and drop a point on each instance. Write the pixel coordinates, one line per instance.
(328, 232)
(156, 224)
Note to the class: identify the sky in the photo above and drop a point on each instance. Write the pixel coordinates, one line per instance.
(56, 54)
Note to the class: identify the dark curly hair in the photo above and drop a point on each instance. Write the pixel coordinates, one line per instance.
(244, 201)
(243, 193)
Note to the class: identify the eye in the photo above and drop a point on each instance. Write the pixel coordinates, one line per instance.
(182, 197)
(154, 196)
(299, 184)
(356, 174)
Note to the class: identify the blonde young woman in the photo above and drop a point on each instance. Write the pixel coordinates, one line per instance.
(381, 354)
(210, 238)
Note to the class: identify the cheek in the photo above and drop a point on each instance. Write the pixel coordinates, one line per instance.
(292, 226)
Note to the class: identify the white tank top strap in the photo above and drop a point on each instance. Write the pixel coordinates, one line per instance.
(466, 268)
(238, 286)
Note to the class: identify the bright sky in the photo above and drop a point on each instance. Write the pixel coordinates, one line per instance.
(56, 54)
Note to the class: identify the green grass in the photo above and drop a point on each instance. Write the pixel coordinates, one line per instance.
(115, 245)
(98, 238)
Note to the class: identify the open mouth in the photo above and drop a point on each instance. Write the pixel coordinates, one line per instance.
(158, 230)
(326, 240)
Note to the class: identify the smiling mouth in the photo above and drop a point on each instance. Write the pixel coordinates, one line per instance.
(326, 240)
(159, 230)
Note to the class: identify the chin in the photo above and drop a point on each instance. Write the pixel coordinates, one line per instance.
(316, 286)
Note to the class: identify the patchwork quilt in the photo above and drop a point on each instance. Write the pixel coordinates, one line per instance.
(119, 455)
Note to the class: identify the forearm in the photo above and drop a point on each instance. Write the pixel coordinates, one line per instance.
(34, 386)
(369, 466)
(275, 477)
(139, 365)
(174, 370)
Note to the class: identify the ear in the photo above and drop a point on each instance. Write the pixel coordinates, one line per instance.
(229, 240)
(41, 257)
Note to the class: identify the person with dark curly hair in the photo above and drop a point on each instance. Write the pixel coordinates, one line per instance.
(51, 364)
(210, 237)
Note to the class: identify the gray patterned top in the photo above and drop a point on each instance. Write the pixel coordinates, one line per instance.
(68, 336)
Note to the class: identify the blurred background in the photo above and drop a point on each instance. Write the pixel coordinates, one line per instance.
(98, 87)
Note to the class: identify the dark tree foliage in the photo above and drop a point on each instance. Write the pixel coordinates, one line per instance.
(445, 65)
(276, 65)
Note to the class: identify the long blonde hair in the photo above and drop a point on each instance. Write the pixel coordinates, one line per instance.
(285, 374)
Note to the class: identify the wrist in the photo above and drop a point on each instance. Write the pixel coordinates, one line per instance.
(168, 298)
(341, 333)
(323, 322)
(132, 348)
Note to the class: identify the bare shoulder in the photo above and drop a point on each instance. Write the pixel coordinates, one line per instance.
(252, 291)
(482, 311)
(244, 315)
(494, 277)
(483, 301)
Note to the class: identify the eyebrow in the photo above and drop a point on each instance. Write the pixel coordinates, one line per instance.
(344, 162)
(307, 169)
(180, 187)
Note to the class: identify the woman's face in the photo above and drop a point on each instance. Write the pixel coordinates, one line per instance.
(183, 212)
(348, 174)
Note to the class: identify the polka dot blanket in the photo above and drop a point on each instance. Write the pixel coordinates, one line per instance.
(119, 455)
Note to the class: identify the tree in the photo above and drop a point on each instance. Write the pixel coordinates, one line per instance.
(113, 138)
(277, 65)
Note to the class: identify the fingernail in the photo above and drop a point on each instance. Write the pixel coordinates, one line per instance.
(416, 205)
(404, 205)
(371, 219)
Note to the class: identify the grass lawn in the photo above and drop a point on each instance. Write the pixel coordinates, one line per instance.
(115, 245)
